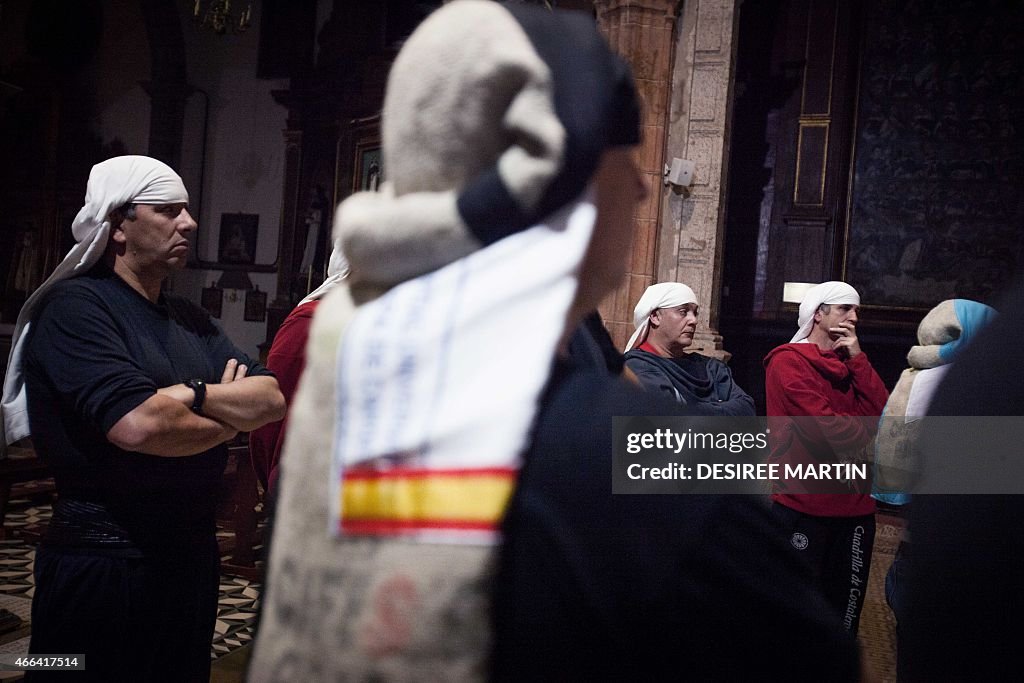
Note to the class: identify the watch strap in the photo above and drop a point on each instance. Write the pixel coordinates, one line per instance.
(198, 386)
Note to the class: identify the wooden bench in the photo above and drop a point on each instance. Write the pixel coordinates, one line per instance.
(240, 514)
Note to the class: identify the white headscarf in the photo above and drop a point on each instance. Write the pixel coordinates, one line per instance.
(661, 295)
(337, 270)
(112, 184)
(832, 292)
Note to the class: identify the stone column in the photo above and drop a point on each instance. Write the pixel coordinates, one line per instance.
(641, 31)
(691, 242)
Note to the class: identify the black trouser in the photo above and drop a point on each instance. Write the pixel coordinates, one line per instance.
(838, 550)
(134, 618)
(896, 596)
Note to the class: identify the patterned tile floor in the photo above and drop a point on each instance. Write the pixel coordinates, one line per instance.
(239, 598)
(877, 624)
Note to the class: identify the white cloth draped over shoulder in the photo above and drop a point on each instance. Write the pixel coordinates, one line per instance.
(661, 295)
(337, 270)
(112, 184)
(425, 404)
(832, 292)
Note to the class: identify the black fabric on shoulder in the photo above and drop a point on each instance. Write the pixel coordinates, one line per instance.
(704, 382)
(596, 102)
(595, 586)
(488, 209)
(963, 601)
(591, 344)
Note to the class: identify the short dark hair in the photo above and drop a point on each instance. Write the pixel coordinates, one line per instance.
(127, 210)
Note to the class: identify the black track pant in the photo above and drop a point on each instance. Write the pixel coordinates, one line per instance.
(135, 619)
(838, 550)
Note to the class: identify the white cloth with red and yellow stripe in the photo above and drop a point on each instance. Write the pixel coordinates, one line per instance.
(428, 436)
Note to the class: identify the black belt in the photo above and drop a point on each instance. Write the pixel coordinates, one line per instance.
(78, 523)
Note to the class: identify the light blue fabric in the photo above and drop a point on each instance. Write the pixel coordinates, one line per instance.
(891, 498)
(973, 316)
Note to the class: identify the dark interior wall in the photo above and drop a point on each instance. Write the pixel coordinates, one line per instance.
(762, 86)
(933, 168)
(765, 81)
(937, 206)
(286, 38)
(345, 84)
(56, 84)
(46, 142)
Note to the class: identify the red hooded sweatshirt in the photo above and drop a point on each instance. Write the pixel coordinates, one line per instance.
(801, 379)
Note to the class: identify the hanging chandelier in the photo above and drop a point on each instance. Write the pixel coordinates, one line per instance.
(217, 14)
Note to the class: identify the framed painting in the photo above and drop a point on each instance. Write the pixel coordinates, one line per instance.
(213, 300)
(367, 161)
(237, 242)
(935, 210)
(368, 168)
(358, 162)
(255, 306)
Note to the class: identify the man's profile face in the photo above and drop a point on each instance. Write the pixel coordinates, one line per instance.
(673, 328)
(835, 316)
(157, 240)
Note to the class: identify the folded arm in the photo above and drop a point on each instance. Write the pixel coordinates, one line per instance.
(802, 400)
(241, 402)
(652, 378)
(165, 425)
(739, 403)
(162, 425)
(245, 404)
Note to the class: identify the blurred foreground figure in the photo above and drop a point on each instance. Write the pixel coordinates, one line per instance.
(942, 336)
(439, 396)
(961, 601)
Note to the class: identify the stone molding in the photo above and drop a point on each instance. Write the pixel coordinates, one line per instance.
(642, 32)
(691, 241)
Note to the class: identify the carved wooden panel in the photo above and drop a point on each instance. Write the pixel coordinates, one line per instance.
(937, 208)
(811, 157)
(814, 63)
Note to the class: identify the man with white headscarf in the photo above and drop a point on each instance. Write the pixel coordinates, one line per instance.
(130, 395)
(442, 430)
(665, 320)
(823, 373)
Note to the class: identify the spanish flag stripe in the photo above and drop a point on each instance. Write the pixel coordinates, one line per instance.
(360, 474)
(478, 497)
(364, 526)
